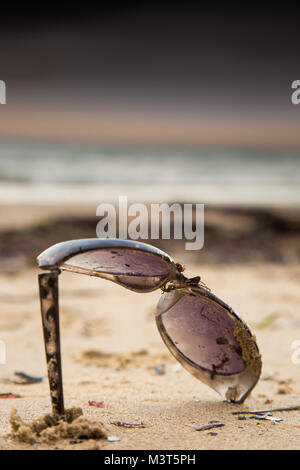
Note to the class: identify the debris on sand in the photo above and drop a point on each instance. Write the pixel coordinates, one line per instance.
(210, 426)
(160, 369)
(128, 425)
(285, 390)
(268, 401)
(25, 379)
(98, 404)
(50, 428)
(10, 395)
(267, 321)
(113, 439)
(266, 417)
(258, 412)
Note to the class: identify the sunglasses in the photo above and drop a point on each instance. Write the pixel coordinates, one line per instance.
(200, 330)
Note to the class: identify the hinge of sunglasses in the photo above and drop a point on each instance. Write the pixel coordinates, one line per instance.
(184, 283)
(195, 281)
(202, 284)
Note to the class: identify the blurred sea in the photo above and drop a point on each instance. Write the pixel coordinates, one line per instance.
(47, 173)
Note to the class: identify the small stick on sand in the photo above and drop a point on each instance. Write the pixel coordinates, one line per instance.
(210, 426)
(291, 408)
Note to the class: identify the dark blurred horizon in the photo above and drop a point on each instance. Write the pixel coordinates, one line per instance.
(173, 73)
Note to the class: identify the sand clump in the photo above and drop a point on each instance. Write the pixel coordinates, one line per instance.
(49, 428)
(250, 352)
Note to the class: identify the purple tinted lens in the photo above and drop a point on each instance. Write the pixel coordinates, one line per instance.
(134, 269)
(204, 332)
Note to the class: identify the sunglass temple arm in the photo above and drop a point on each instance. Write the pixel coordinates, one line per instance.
(48, 284)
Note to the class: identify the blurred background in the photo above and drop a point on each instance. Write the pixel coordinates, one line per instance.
(160, 103)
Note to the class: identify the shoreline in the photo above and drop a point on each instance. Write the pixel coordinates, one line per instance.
(30, 194)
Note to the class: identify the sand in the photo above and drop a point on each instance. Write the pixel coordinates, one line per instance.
(112, 352)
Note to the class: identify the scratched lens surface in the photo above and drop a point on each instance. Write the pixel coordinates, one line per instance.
(203, 332)
(136, 270)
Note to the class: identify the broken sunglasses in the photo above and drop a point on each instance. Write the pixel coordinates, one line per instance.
(203, 333)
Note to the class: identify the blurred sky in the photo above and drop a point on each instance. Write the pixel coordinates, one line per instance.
(170, 73)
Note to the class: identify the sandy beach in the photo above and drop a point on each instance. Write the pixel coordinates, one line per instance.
(112, 353)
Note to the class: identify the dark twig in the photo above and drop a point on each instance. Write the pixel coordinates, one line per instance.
(128, 425)
(291, 408)
(26, 379)
(210, 426)
(10, 395)
(267, 418)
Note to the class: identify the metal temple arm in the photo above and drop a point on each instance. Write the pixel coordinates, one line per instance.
(48, 284)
